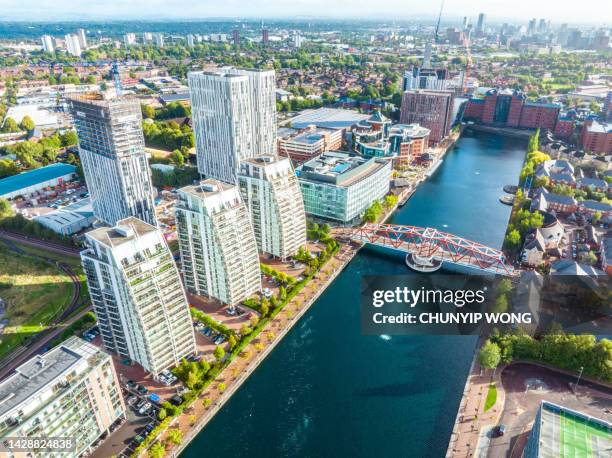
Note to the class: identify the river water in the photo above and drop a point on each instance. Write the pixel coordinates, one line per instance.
(327, 390)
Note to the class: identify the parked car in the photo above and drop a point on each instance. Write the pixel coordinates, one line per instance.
(145, 408)
(139, 439)
(141, 389)
(499, 430)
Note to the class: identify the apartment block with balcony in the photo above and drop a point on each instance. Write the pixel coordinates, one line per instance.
(271, 192)
(71, 391)
(137, 295)
(217, 242)
(111, 148)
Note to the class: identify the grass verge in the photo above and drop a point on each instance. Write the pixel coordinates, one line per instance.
(491, 397)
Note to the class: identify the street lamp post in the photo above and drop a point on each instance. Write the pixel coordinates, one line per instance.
(578, 381)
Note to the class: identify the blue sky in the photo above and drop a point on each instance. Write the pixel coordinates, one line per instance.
(596, 11)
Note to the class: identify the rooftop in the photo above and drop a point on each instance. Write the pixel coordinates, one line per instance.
(34, 177)
(600, 127)
(40, 371)
(328, 117)
(124, 231)
(564, 432)
(339, 167)
(312, 136)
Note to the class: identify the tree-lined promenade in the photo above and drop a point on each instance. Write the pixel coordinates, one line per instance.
(185, 426)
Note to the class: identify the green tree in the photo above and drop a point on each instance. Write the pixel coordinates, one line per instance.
(175, 436)
(162, 414)
(596, 217)
(231, 341)
(69, 138)
(27, 124)
(177, 158)
(390, 201)
(10, 125)
(219, 352)
(206, 402)
(8, 168)
(204, 366)
(157, 450)
(6, 210)
(192, 379)
(489, 356)
(147, 111)
(505, 286)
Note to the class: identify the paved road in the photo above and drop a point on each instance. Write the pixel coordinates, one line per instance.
(526, 385)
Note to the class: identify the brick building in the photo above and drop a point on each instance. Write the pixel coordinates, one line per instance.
(564, 127)
(596, 137)
(430, 109)
(509, 108)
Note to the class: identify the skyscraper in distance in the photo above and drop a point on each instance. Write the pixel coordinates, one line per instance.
(73, 46)
(82, 36)
(111, 148)
(234, 118)
(481, 24)
(47, 43)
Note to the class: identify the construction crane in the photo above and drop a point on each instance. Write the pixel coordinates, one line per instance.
(116, 77)
(429, 44)
(438, 24)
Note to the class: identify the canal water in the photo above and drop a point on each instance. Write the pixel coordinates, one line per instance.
(327, 390)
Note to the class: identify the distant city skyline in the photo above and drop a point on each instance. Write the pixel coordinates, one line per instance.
(599, 12)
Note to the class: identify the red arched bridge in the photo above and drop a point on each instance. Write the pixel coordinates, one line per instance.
(427, 248)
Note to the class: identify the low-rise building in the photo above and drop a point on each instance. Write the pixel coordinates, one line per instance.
(217, 242)
(70, 219)
(590, 207)
(334, 118)
(558, 430)
(594, 184)
(36, 180)
(301, 145)
(71, 392)
(606, 254)
(402, 143)
(340, 186)
(547, 201)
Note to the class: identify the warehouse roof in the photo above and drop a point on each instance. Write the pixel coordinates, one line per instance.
(33, 177)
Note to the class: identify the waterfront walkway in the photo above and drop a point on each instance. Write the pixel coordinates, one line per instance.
(195, 418)
(473, 424)
(203, 409)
